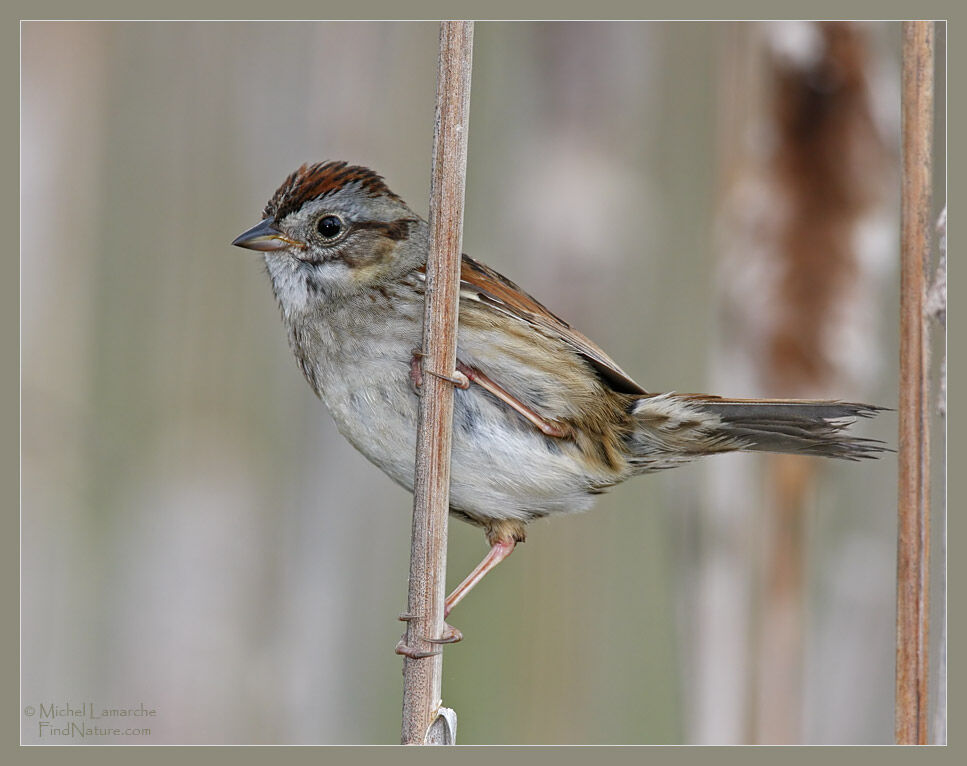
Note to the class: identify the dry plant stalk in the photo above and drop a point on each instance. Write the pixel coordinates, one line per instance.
(913, 542)
(423, 677)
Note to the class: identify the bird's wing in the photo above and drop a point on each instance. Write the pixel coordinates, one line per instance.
(481, 283)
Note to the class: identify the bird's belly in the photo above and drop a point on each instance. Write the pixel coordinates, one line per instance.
(502, 467)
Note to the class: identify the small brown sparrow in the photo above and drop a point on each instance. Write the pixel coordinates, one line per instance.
(543, 421)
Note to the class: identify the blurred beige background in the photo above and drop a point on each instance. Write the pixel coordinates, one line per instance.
(195, 534)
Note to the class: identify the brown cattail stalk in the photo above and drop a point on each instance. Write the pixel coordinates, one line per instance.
(798, 284)
(825, 168)
(913, 543)
(423, 677)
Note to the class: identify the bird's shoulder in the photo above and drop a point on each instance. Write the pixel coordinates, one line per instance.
(486, 286)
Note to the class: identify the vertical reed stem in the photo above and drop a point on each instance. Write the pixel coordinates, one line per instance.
(913, 542)
(423, 677)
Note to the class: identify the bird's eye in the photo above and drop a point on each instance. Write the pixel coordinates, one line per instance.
(330, 226)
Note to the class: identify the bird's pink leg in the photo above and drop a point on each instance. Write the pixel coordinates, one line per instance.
(548, 427)
(465, 375)
(498, 552)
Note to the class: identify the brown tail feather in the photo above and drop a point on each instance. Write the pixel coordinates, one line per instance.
(697, 424)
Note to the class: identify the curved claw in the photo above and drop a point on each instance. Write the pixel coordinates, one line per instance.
(450, 636)
(413, 654)
(458, 379)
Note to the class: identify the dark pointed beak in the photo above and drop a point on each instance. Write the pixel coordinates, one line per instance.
(263, 236)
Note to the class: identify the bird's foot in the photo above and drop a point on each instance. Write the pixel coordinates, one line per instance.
(450, 636)
(457, 379)
(416, 373)
(413, 654)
